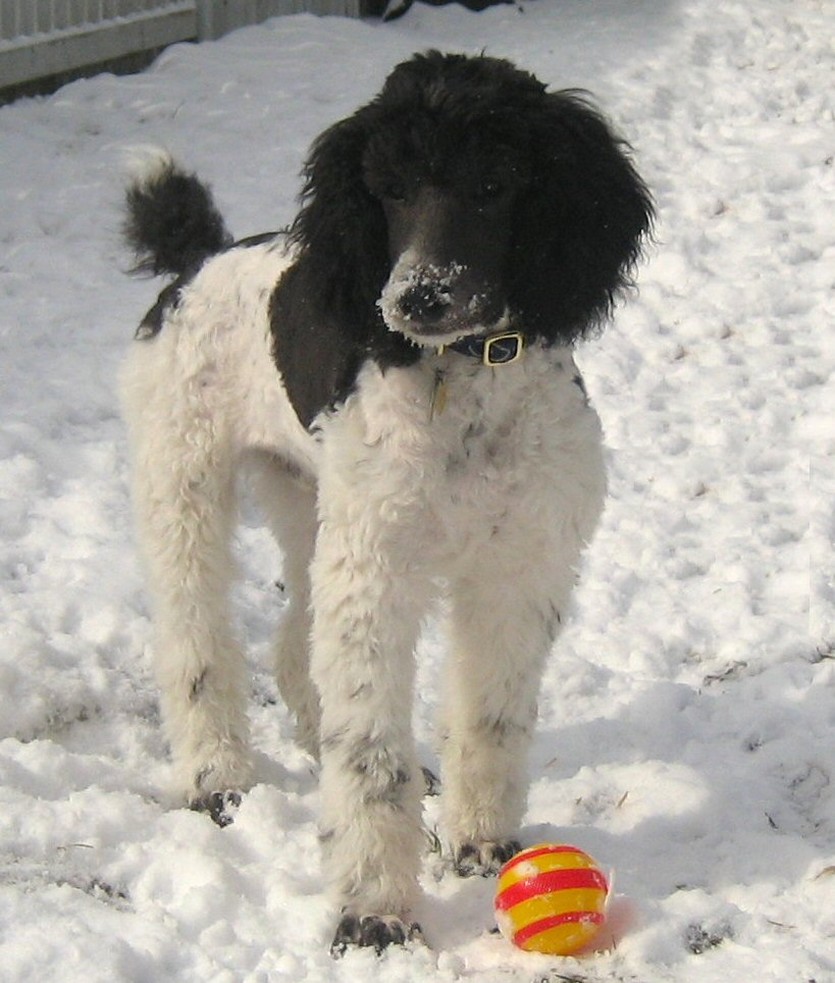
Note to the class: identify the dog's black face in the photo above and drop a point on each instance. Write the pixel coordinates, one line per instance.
(448, 234)
(466, 194)
(447, 266)
(463, 199)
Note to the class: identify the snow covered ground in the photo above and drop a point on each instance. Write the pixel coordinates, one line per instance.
(687, 731)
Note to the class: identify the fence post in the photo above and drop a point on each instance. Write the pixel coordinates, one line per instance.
(217, 17)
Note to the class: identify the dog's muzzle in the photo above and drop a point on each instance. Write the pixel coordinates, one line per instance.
(437, 305)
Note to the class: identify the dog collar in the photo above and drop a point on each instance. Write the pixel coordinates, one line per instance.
(497, 349)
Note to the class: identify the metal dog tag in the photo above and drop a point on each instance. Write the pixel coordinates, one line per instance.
(439, 394)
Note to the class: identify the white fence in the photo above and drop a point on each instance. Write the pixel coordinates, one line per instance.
(43, 38)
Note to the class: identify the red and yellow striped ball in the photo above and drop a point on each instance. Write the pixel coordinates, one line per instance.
(551, 899)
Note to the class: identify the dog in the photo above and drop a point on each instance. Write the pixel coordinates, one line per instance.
(395, 371)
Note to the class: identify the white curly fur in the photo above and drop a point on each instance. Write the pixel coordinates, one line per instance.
(489, 502)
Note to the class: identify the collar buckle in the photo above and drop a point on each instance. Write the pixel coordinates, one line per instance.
(498, 349)
(503, 349)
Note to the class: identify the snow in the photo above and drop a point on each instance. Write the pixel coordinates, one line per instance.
(688, 713)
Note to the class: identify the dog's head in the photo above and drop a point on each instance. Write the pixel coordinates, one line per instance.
(466, 197)
(449, 217)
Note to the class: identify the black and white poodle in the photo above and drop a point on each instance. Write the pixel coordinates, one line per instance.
(396, 371)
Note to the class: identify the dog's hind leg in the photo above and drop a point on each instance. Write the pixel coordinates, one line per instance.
(184, 465)
(288, 500)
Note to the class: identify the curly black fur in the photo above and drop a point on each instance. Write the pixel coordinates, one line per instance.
(172, 222)
(582, 210)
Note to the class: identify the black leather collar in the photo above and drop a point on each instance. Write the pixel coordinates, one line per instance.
(498, 349)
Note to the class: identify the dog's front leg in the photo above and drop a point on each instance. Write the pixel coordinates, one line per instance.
(505, 619)
(367, 607)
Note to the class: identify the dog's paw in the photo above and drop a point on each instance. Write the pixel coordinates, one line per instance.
(483, 859)
(377, 931)
(220, 806)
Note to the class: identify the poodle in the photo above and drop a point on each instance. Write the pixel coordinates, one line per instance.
(395, 371)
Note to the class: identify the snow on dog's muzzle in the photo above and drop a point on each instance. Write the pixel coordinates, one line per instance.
(434, 304)
(425, 303)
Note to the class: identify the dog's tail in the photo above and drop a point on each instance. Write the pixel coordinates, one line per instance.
(172, 223)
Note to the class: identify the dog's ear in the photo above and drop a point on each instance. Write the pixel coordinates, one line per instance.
(341, 229)
(581, 225)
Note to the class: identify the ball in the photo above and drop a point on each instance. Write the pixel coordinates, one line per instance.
(551, 898)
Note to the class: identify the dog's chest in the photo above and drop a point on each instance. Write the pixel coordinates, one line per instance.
(435, 485)
(482, 444)
(456, 439)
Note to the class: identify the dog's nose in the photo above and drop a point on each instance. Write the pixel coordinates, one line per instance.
(423, 302)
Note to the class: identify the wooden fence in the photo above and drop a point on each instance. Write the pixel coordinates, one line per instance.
(41, 39)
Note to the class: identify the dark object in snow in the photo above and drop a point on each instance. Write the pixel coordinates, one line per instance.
(699, 939)
(392, 9)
